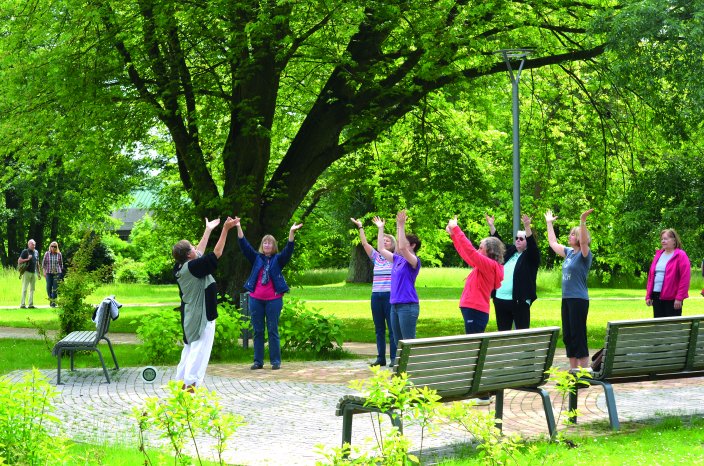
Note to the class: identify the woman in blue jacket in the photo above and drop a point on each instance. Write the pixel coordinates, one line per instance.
(266, 286)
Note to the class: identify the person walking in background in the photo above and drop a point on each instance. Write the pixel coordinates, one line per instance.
(381, 294)
(575, 296)
(485, 277)
(266, 285)
(405, 305)
(53, 267)
(669, 276)
(30, 256)
(512, 300)
(193, 271)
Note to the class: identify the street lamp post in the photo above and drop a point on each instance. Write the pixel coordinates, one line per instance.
(515, 55)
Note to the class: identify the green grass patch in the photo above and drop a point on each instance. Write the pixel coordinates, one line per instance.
(120, 455)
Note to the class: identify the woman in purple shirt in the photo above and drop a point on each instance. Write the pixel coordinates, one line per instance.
(405, 306)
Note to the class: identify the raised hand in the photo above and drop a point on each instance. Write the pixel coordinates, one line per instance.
(585, 214)
(295, 227)
(379, 222)
(526, 220)
(490, 220)
(357, 223)
(230, 223)
(237, 221)
(549, 217)
(401, 217)
(452, 223)
(211, 224)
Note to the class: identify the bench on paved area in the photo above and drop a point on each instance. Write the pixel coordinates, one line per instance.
(644, 350)
(88, 340)
(470, 366)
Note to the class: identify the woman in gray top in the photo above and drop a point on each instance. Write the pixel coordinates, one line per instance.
(575, 297)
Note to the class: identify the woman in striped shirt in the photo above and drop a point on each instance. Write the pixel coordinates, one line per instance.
(381, 294)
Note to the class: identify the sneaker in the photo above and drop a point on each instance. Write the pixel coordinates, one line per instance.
(22, 306)
(378, 362)
(31, 306)
(275, 367)
(256, 366)
(484, 401)
(52, 304)
(582, 370)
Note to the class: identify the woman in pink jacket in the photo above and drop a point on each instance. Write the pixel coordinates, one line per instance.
(486, 276)
(668, 279)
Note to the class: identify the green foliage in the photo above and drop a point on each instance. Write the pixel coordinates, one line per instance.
(152, 247)
(304, 329)
(130, 271)
(182, 416)
(78, 283)
(161, 336)
(228, 329)
(27, 423)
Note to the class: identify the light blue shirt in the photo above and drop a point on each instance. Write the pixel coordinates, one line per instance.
(505, 291)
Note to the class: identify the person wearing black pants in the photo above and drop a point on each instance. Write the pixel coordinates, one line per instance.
(513, 299)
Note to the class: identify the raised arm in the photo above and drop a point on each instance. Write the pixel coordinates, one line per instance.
(531, 245)
(490, 221)
(526, 224)
(385, 253)
(209, 227)
(220, 245)
(552, 239)
(584, 233)
(292, 231)
(404, 247)
(363, 237)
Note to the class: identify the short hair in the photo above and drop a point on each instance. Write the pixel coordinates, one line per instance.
(180, 251)
(671, 232)
(393, 241)
(273, 240)
(494, 249)
(521, 233)
(413, 239)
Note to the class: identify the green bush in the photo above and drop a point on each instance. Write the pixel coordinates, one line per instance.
(161, 335)
(228, 329)
(130, 271)
(301, 329)
(27, 424)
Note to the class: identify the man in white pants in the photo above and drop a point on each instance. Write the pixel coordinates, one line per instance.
(198, 291)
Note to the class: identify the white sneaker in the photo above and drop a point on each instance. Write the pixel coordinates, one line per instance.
(577, 370)
(482, 401)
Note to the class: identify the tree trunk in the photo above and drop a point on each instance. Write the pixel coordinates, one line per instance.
(361, 269)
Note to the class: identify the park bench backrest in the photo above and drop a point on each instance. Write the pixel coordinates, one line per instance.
(653, 346)
(465, 365)
(103, 325)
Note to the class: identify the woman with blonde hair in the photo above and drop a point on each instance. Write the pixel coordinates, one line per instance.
(381, 294)
(53, 265)
(669, 276)
(575, 297)
(266, 286)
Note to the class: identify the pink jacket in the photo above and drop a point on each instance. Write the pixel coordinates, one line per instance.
(485, 277)
(677, 273)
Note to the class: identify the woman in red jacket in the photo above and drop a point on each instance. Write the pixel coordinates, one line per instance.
(486, 276)
(668, 279)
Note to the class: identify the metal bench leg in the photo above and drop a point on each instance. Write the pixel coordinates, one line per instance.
(112, 352)
(72, 352)
(347, 416)
(610, 403)
(499, 409)
(58, 367)
(105, 369)
(572, 405)
(549, 416)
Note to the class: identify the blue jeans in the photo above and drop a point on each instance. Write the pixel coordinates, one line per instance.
(381, 314)
(271, 311)
(474, 321)
(52, 282)
(404, 317)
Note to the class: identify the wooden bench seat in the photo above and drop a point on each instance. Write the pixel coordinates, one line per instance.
(87, 340)
(647, 349)
(470, 366)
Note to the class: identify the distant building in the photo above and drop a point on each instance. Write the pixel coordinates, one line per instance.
(141, 203)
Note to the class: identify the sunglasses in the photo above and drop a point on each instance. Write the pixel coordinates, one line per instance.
(520, 238)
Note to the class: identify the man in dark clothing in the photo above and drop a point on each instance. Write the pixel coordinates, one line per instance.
(29, 277)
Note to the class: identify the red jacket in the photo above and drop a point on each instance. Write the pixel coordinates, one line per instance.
(486, 276)
(677, 274)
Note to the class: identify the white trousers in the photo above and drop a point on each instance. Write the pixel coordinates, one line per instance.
(28, 281)
(195, 357)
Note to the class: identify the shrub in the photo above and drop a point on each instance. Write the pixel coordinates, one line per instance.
(27, 424)
(228, 329)
(161, 335)
(130, 271)
(301, 329)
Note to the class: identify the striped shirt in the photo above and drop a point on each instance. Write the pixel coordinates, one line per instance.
(382, 273)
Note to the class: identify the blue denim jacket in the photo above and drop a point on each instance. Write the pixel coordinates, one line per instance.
(258, 260)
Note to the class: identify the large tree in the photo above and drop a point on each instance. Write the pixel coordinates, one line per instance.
(259, 98)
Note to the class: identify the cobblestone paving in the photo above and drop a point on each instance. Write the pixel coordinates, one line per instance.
(289, 412)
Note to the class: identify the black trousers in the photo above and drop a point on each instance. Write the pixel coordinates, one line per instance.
(509, 312)
(574, 326)
(664, 308)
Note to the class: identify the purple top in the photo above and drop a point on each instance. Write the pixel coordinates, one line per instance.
(403, 281)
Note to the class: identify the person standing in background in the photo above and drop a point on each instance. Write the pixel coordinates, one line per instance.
(381, 295)
(53, 267)
(29, 277)
(512, 300)
(669, 276)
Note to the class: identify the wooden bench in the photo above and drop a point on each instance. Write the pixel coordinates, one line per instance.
(648, 349)
(470, 366)
(87, 341)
